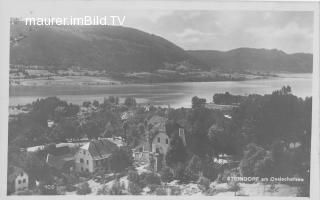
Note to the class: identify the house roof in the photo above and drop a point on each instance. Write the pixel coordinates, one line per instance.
(59, 157)
(60, 161)
(13, 172)
(158, 122)
(100, 149)
(60, 151)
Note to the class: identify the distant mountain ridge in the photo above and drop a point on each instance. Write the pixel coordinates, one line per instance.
(114, 49)
(127, 50)
(255, 60)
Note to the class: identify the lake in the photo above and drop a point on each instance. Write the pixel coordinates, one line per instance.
(173, 94)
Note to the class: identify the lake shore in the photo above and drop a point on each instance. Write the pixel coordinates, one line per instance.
(163, 94)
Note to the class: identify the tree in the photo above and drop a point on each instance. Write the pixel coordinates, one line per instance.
(91, 129)
(121, 159)
(234, 187)
(161, 191)
(133, 176)
(200, 120)
(265, 167)
(180, 173)
(227, 99)
(194, 167)
(198, 102)
(166, 175)
(86, 104)
(210, 169)
(125, 128)
(84, 189)
(252, 155)
(71, 128)
(225, 138)
(96, 103)
(150, 179)
(116, 188)
(277, 150)
(203, 183)
(177, 151)
(104, 190)
(134, 188)
(218, 139)
(130, 102)
(113, 100)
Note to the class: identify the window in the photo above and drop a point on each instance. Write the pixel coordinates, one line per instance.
(19, 181)
(81, 168)
(157, 150)
(24, 180)
(21, 174)
(81, 160)
(167, 141)
(87, 162)
(87, 170)
(158, 139)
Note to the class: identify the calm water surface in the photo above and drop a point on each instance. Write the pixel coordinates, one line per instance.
(175, 94)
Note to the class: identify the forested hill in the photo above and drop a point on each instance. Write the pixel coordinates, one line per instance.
(114, 49)
(255, 60)
(126, 50)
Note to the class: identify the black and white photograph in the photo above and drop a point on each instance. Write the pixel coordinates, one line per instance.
(151, 101)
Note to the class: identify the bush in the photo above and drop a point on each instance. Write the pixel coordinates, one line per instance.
(24, 193)
(134, 188)
(175, 190)
(211, 191)
(104, 190)
(70, 188)
(161, 191)
(203, 183)
(194, 167)
(153, 187)
(166, 175)
(133, 176)
(210, 169)
(252, 155)
(151, 179)
(116, 188)
(84, 189)
(121, 159)
(181, 174)
(234, 187)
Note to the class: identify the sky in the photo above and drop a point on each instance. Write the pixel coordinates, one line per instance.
(224, 30)
(289, 31)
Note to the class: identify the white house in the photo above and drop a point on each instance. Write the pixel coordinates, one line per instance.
(160, 143)
(94, 155)
(18, 179)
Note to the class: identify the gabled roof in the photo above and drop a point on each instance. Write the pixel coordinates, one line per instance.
(100, 149)
(158, 122)
(60, 151)
(59, 162)
(13, 172)
(59, 157)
